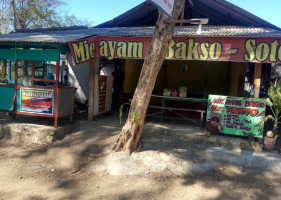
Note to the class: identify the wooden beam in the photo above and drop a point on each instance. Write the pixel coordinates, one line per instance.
(257, 79)
(190, 2)
(242, 75)
(182, 13)
(14, 108)
(170, 21)
(57, 73)
(32, 72)
(65, 74)
(16, 73)
(91, 90)
(57, 94)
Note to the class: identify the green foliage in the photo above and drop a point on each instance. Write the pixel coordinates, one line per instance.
(121, 113)
(274, 102)
(121, 110)
(135, 117)
(268, 102)
(23, 14)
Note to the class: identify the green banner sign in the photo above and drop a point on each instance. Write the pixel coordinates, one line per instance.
(235, 115)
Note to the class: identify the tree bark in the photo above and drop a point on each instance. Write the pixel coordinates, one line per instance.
(14, 14)
(129, 138)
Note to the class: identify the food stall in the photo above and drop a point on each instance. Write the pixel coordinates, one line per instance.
(35, 86)
(203, 65)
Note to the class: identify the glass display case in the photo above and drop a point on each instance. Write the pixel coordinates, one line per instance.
(42, 70)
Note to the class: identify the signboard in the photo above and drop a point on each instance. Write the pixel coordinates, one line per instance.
(235, 115)
(167, 6)
(38, 101)
(239, 49)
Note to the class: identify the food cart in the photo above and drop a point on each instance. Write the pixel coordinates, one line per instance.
(35, 86)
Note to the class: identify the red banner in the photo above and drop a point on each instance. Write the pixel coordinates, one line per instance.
(263, 50)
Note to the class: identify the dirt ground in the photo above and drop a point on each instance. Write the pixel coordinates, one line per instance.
(69, 169)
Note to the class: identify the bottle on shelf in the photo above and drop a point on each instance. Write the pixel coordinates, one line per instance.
(252, 92)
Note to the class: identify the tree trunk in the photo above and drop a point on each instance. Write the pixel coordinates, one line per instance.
(129, 138)
(14, 14)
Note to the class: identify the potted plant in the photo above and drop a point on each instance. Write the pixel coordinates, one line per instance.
(274, 102)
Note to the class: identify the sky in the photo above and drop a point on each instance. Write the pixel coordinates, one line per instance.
(99, 11)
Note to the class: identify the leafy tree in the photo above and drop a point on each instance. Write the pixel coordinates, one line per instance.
(23, 14)
(4, 24)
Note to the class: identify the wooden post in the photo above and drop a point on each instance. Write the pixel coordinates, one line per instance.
(182, 13)
(241, 80)
(65, 69)
(16, 89)
(16, 73)
(57, 73)
(32, 73)
(257, 79)
(91, 90)
(57, 93)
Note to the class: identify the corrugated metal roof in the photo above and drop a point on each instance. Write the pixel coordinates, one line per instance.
(64, 36)
(207, 31)
(227, 31)
(61, 36)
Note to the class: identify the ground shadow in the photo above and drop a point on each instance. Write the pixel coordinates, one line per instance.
(93, 139)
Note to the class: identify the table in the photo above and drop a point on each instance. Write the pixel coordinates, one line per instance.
(163, 107)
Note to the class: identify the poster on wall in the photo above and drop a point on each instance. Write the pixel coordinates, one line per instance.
(235, 115)
(39, 101)
(167, 6)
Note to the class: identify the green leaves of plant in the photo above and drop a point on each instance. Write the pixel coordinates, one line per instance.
(274, 102)
(268, 102)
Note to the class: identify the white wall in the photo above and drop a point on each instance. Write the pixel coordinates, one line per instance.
(107, 70)
(78, 77)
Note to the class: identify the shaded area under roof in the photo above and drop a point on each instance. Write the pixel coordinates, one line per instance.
(219, 12)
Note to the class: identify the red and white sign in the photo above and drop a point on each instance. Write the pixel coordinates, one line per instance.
(166, 5)
(239, 49)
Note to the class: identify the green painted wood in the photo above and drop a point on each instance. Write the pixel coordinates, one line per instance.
(6, 98)
(185, 99)
(18, 100)
(62, 48)
(181, 99)
(167, 98)
(24, 54)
